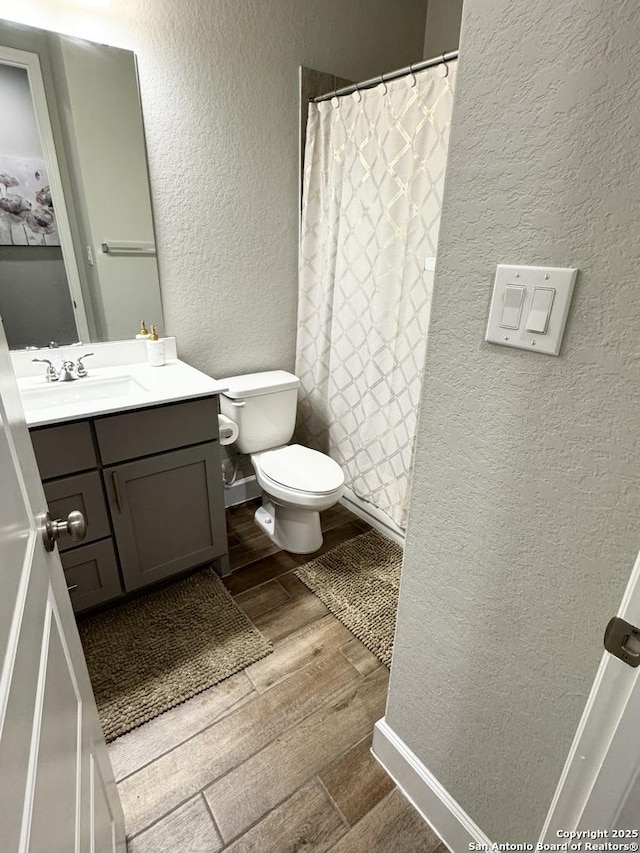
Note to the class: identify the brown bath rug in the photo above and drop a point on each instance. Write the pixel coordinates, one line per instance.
(151, 653)
(359, 582)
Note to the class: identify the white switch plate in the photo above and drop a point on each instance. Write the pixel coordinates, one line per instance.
(559, 279)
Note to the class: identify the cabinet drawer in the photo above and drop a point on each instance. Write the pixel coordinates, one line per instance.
(83, 492)
(63, 449)
(148, 431)
(93, 571)
(168, 513)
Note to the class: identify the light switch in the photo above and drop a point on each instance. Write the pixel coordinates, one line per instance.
(512, 306)
(540, 311)
(530, 306)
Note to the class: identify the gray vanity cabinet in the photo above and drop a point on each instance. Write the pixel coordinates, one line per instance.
(166, 513)
(149, 484)
(90, 568)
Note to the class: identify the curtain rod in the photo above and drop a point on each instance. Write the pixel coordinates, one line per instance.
(384, 78)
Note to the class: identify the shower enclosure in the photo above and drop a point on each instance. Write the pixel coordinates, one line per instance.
(374, 170)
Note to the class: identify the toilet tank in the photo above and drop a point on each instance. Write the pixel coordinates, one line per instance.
(264, 407)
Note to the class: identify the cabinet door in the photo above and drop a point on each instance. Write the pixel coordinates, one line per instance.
(167, 512)
(83, 492)
(92, 575)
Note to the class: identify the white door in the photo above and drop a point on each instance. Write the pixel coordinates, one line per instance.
(600, 786)
(30, 62)
(57, 791)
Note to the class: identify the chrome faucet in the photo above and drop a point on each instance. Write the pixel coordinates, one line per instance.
(67, 370)
(81, 370)
(52, 374)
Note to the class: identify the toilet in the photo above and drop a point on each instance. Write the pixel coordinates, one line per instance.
(297, 483)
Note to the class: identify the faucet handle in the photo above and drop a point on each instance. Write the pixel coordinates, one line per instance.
(51, 375)
(81, 370)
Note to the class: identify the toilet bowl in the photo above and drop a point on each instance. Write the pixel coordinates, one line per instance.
(297, 483)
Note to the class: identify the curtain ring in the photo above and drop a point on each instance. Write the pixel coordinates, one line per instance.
(412, 76)
(382, 81)
(444, 68)
(357, 97)
(335, 102)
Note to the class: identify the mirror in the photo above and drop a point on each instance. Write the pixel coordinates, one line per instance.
(77, 245)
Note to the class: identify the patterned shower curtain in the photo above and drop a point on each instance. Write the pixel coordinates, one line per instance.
(373, 178)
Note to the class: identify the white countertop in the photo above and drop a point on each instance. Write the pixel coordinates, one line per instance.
(54, 402)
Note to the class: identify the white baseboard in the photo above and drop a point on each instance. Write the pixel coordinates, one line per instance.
(431, 800)
(241, 491)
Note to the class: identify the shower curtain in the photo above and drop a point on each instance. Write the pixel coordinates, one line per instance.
(373, 178)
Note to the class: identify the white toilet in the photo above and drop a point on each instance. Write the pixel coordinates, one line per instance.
(297, 483)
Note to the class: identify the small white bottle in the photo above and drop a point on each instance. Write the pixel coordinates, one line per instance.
(155, 349)
(143, 334)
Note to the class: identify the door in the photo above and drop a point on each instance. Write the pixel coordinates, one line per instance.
(57, 792)
(29, 64)
(166, 513)
(600, 786)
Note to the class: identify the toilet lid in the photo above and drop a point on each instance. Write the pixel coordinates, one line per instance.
(303, 469)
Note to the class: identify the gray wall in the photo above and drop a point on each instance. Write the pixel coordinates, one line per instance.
(442, 31)
(34, 297)
(219, 86)
(523, 527)
(19, 135)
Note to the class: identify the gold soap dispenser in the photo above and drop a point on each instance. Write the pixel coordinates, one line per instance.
(143, 334)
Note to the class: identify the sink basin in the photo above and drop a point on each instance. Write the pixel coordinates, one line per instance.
(79, 391)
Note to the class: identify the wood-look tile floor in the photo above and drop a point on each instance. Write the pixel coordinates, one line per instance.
(276, 758)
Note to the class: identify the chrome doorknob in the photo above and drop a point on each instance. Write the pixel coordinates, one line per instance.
(52, 529)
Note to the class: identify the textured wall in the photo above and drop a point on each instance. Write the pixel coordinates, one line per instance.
(443, 27)
(523, 527)
(219, 85)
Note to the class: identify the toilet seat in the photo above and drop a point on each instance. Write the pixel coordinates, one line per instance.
(301, 469)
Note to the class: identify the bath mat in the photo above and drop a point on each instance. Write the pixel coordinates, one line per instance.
(151, 653)
(359, 581)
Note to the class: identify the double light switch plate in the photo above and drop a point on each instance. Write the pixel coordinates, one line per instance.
(530, 306)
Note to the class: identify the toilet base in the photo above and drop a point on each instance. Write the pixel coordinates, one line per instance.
(291, 528)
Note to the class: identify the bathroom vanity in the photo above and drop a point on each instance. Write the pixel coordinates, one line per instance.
(144, 468)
